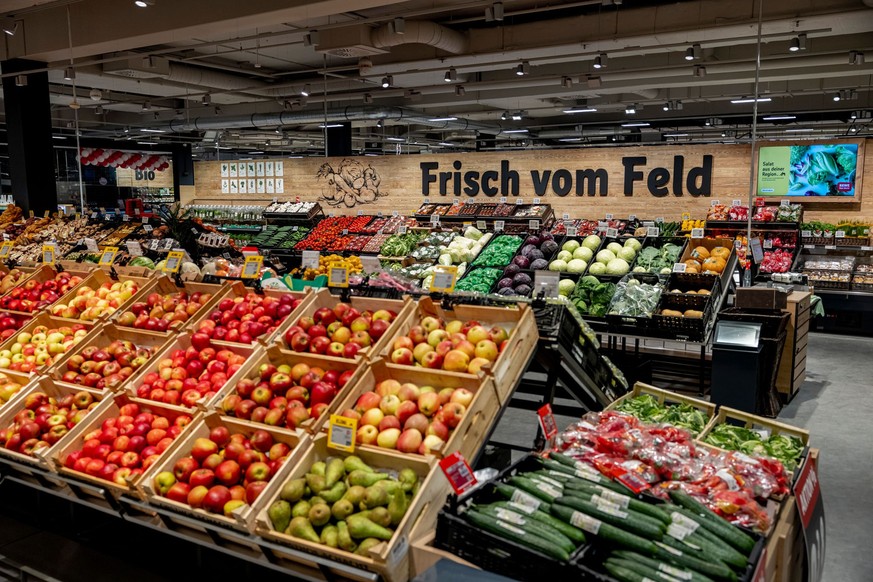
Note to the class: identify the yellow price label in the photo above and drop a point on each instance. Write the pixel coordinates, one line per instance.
(48, 254)
(338, 275)
(107, 257)
(341, 433)
(5, 249)
(686, 216)
(444, 279)
(174, 261)
(78, 216)
(32, 214)
(45, 214)
(252, 267)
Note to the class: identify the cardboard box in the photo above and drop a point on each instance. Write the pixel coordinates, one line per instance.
(761, 298)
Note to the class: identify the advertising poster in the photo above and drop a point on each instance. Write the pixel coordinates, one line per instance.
(808, 170)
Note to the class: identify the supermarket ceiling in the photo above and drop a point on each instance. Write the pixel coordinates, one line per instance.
(447, 74)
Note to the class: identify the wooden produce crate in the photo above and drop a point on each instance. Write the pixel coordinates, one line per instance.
(183, 342)
(243, 518)
(50, 322)
(238, 289)
(388, 559)
(41, 274)
(666, 397)
(511, 362)
(27, 272)
(277, 357)
(95, 280)
(103, 335)
(110, 408)
(324, 299)
(467, 436)
(164, 285)
(41, 459)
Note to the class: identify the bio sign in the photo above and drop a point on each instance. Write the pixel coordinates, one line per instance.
(637, 177)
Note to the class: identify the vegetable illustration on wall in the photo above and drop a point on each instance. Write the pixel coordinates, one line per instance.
(351, 184)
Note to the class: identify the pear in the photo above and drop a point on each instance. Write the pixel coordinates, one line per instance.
(316, 499)
(354, 463)
(365, 546)
(389, 485)
(301, 509)
(344, 538)
(408, 478)
(317, 483)
(334, 472)
(359, 477)
(293, 490)
(280, 515)
(335, 493)
(319, 514)
(397, 507)
(301, 528)
(342, 509)
(329, 536)
(355, 494)
(360, 527)
(375, 497)
(318, 468)
(380, 516)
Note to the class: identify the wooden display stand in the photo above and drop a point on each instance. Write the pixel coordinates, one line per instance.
(792, 367)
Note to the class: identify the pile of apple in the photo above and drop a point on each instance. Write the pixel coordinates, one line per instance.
(125, 445)
(341, 332)
(244, 319)
(33, 295)
(105, 367)
(455, 347)
(40, 346)
(162, 312)
(10, 323)
(408, 417)
(223, 472)
(11, 279)
(186, 376)
(8, 388)
(285, 396)
(44, 420)
(91, 304)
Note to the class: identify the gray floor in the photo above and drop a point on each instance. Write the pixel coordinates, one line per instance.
(836, 405)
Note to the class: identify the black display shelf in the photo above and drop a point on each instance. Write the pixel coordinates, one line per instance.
(773, 225)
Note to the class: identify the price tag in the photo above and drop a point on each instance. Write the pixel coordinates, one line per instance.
(45, 214)
(498, 225)
(611, 233)
(48, 254)
(136, 211)
(609, 217)
(310, 259)
(714, 202)
(806, 233)
(757, 251)
(648, 223)
(395, 213)
(536, 201)
(379, 214)
(252, 267)
(686, 216)
(679, 267)
(145, 219)
(831, 247)
(32, 214)
(840, 234)
(427, 200)
(455, 201)
(338, 275)
(345, 231)
(632, 217)
(174, 261)
(653, 231)
(370, 264)
(547, 421)
(572, 231)
(134, 249)
(565, 216)
(785, 203)
(768, 243)
(147, 227)
(434, 218)
(341, 433)
(862, 248)
(602, 224)
(546, 282)
(360, 213)
(93, 215)
(5, 249)
(736, 202)
(444, 278)
(533, 224)
(480, 224)
(107, 257)
(402, 229)
(696, 233)
(519, 201)
(91, 245)
(660, 220)
(126, 218)
(102, 210)
(503, 199)
(457, 470)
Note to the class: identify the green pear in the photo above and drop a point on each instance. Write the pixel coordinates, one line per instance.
(344, 538)
(335, 493)
(317, 483)
(342, 509)
(361, 527)
(280, 514)
(375, 497)
(364, 548)
(301, 528)
(408, 478)
(318, 468)
(355, 494)
(389, 485)
(301, 509)
(293, 490)
(359, 477)
(334, 472)
(397, 507)
(329, 536)
(319, 514)
(354, 463)
(380, 516)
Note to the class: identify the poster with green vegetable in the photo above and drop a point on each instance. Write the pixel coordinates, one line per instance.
(808, 170)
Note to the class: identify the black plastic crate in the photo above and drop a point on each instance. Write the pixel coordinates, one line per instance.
(688, 328)
(633, 324)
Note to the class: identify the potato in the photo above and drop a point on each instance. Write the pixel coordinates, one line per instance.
(692, 292)
(693, 313)
(671, 313)
(703, 292)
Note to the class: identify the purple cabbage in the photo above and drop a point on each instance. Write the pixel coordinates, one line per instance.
(532, 240)
(526, 250)
(505, 282)
(521, 279)
(521, 261)
(506, 291)
(549, 248)
(510, 270)
(539, 265)
(523, 290)
(546, 235)
(535, 254)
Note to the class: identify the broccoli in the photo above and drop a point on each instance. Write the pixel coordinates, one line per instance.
(797, 153)
(846, 160)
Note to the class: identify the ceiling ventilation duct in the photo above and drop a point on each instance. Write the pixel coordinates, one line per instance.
(361, 40)
(138, 67)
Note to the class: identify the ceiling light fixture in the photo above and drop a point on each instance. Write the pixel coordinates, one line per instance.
(69, 74)
(504, 116)
(329, 125)
(666, 107)
(750, 100)
(306, 90)
(380, 123)
(856, 58)
(581, 110)
(636, 124)
(514, 131)
(144, 3)
(838, 96)
(395, 139)
(443, 119)
(518, 116)
(460, 91)
(494, 12)
(21, 80)
(570, 139)
(699, 71)
(311, 38)
(387, 81)
(566, 82)
(146, 105)
(147, 143)
(368, 98)
(98, 110)
(398, 25)
(600, 61)
(675, 135)
(522, 69)
(798, 43)
(207, 99)
(778, 118)
(631, 109)
(798, 129)
(451, 75)
(9, 26)
(689, 54)
(150, 130)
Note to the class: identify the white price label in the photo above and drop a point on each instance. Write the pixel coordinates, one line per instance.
(91, 245)
(395, 213)
(134, 249)
(360, 212)
(714, 202)
(480, 224)
(533, 224)
(536, 201)
(757, 251)
(565, 216)
(145, 219)
(632, 217)
(456, 201)
(93, 215)
(147, 227)
(653, 231)
(831, 247)
(867, 248)
(310, 259)
(434, 218)
(736, 202)
(503, 199)
(659, 220)
(696, 233)
(498, 225)
(785, 203)
(345, 231)
(402, 229)
(611, 233)
(609, 217)
(806, 233)
(602, 224)
(125, 218)
(768, 243)
(679, 267)
(519, 201)
(572, 231)
(840, 234)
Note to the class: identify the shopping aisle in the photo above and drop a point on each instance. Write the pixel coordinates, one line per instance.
(836, 405)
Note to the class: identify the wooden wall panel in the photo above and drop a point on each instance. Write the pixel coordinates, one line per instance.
(388, 183)
(127, 177)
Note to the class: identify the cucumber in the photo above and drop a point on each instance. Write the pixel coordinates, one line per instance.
(603, 530)
(528, 524)
(639, 506)
(675, 551)
(713, 522)
(539, 478)
(514, 533)
(647, 573)
(568, 530)
(592, 476)
(540, 490)
(623, 574)
(719, 550)
(517, 495)
(605, 503)
(564, 478)
(675, 571)
(625, 520)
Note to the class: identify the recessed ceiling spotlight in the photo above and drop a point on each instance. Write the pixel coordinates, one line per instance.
(630, 109)
(460, 91)
(9, 25)
(566, 82)
(494, 12)
(504, 116)
(306, 90)
(666, 107)
(380, 123)
(600, 61)
(522, 69)
(451, 75)
(69, 74)
(699, 71)
(207, 99)
(368, 98)
(144, 3)
(146, 105)
(517, 116)
(387, 81)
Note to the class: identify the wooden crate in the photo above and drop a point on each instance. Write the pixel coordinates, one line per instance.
(41, 274)
(243, 518)
(511, 362)
(666, 397)
(51, 322)
(95, 280)
(27, 272)
(468, 435)
(110, 408)
(273, 355)
(164, 285)
(183, 342)
(237, 289)
(423, 556)
(726, 415)
(41, 458)
(388, 559)
(322, 298)
(101, 336)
